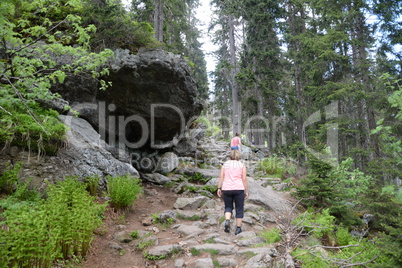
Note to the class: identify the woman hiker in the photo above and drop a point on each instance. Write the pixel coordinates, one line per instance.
(235, 143)
(233, 186)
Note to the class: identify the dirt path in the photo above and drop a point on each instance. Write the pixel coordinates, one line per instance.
(156, 200)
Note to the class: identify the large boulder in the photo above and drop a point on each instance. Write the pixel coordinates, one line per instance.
(83, 155)
(152, 100)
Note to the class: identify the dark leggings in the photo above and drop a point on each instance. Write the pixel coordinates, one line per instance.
(236, 196)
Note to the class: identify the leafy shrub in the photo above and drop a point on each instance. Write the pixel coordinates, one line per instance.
(350, 252)
(144, 244)
(123, 190)
(320, 224)
(164, 223)
(92, 183)
(190, 188)
(345, 215)
(210, 188)
(31, 70)
(334, 186)
(271, 236)
(9, 179)
(14, 187)
(385, 204)
(134, 234)
(343, 237)
(61, 226)
(276, 166)
(311, 261)
(23, 193)
(42, 134)
(198, 177)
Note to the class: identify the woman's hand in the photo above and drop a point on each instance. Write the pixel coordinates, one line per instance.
(219, 192)
(245, 194)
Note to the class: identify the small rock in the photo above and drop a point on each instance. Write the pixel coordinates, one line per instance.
(120, 227)
(147, 222)
(123, 237)
(116, 246)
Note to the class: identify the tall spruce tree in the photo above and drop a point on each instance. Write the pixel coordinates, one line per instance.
(225, 36)
(261, 55)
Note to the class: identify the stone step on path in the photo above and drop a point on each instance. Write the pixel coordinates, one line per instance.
(216, 151)
(203, 241)
(190, 233)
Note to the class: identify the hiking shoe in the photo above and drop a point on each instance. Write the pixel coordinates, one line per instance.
(227, 226)
(238, 231)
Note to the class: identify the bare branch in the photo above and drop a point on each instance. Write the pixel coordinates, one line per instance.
(339, 247)
(5, 110)
(360, 263)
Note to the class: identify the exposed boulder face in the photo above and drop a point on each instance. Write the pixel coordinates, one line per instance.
(83, 155)
(152, 99)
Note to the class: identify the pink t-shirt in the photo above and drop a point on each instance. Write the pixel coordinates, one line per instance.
(235, 141)
(232, 175)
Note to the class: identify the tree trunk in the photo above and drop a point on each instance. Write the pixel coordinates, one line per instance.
(233, 71)
(158, 20)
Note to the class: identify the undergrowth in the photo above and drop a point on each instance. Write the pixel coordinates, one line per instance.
(123, 190)
(59, 227)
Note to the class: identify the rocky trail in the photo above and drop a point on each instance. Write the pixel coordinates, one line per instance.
(165, 228)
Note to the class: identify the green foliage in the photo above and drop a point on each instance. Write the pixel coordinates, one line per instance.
(336, 186)
(388, 131)
(343, 237)
(192, 218)
(308, 260)
(345, 215)
(213, 131)
(92, 183)
(194, 252)
(123, 190)
(320, 224)
(349, 249)
(319, 167)
(210, 240)
(210, 188)
(9, 179)
(169, 222)
(385, 205)
(35, 34)
(134, 234)
(249, 254)
(155, 218)
(276, 166)
(144, 244)
(359, 250)
(295, 150)
(191, 188)
(216, 263)
(271, 236)
(163, 223)
(198, 178)
(115, 27)
(121, 218)
(61, 226)
(153, 257)
(213, 252)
